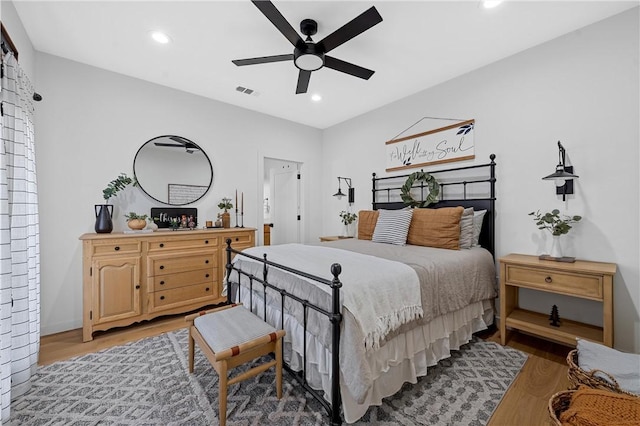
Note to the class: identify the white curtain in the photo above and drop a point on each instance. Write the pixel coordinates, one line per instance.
(19, 238)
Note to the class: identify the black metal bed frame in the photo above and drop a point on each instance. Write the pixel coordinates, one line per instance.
(487, 240)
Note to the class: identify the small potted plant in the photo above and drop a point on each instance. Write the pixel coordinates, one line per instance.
(136, 221)
(348, 219)
(104, 212)
(556, 225)
(225, 205)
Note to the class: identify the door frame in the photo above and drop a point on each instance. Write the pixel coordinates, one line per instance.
(260, 199)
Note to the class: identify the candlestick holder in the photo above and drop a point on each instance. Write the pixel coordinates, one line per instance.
(237, 226)
(242, 220)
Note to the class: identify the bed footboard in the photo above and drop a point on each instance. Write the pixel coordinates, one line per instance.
(334, 317)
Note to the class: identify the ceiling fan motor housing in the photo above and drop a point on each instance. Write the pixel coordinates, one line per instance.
(308, 57)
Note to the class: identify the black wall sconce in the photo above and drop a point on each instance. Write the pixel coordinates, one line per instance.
(351, 191)
(563, 176)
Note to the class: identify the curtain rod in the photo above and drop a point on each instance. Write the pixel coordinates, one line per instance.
(9, 46)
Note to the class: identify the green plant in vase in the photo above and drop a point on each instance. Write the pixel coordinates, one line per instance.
(556, 225)
(104, 212)
(225, 205)
(347, 219)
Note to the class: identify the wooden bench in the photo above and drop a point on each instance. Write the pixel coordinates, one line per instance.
(231, 336)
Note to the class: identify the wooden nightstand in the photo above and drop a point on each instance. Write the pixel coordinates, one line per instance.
(333, 238)
(582, 279)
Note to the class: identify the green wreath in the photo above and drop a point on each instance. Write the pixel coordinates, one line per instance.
(432, 184)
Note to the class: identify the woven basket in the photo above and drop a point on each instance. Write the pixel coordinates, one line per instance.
(558, 403)
(578, 376)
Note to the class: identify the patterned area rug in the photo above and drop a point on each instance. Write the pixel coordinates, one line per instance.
(146, 383)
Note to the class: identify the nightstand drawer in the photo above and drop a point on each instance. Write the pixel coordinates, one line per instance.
(584, 285)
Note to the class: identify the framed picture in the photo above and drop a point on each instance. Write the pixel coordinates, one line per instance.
(442, 145)
(185, 194)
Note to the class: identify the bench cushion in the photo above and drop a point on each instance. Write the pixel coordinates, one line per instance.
(231, 327)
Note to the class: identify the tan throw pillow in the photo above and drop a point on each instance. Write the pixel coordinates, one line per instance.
(438, 228)
(367, 220)
(466, 228)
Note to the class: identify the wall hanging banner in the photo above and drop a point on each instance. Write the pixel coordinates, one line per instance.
(442, 145)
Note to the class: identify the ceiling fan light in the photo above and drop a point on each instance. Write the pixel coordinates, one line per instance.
(309, 62)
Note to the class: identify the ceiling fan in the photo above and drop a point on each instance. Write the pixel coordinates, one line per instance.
(180, 143)
(309, 56)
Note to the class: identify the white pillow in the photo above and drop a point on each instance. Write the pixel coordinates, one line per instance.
(466, 228)
(624, 367)
(478, 217)
(392, 227)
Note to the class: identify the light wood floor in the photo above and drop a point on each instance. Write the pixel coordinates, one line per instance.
(525, 403)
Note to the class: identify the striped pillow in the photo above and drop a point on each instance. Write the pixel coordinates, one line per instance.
(392, 227)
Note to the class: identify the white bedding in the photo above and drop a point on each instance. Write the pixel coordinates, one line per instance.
(368, 376)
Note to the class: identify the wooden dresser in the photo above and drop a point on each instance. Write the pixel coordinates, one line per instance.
(582, 279)
(134, 277)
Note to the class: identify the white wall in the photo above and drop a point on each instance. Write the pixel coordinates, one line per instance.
(90, 126)
(581, 89)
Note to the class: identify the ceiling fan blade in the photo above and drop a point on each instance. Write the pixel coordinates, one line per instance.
(351, 29)
(269, 10)
(263, 59)
(347, 67)
(303, 81)
(179, 140)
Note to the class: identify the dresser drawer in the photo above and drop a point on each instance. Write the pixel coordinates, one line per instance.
(182, 296)
(584, 285)
(182, 279)
(170, 264)
(100, 248)
(161, 244)
(245, 239)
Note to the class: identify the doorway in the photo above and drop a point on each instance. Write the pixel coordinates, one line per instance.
(281, 201)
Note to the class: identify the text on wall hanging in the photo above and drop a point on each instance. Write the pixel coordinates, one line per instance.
(442, 145)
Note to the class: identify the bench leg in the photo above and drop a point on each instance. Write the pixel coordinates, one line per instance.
(279, 368)
(222, 393)
(191, 351)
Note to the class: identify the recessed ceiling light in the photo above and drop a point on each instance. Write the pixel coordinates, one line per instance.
(160, 37)
(316, 98)
(490, 4)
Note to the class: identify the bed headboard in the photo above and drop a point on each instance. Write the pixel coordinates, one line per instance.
(470, 186)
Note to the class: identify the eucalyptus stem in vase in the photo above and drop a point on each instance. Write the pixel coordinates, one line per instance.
(556, 225)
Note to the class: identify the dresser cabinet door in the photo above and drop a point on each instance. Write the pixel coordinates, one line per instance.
(116, 287)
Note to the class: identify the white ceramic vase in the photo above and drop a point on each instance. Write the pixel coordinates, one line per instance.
(556, 248)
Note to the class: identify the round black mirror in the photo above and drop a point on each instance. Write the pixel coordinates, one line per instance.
(173, 170)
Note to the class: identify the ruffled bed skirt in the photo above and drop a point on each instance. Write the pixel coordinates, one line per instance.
(402, 359)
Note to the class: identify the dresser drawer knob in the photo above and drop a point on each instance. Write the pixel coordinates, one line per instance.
(237, 239)
(161, 245)
(116, 248)
(206, 276)
(161, 266)
(206, 289)
(137, 287)
(548, 280)
(206, 241)
(206, 261)
(161, 297)
(161, 282)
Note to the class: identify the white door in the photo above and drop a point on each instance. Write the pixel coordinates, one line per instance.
(285, 205)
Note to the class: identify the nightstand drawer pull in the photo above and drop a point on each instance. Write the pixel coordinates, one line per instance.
(137, 287)
(548, 279)
(161, 297)
(206, 289)
(161, 245)
(161, 282)
(161, 266)
(206, 241)
(116, 248)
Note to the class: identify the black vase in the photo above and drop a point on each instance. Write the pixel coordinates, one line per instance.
(104, 224)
